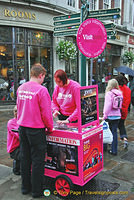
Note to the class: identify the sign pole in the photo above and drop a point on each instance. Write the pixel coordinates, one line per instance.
(91, 70)
(83, 58)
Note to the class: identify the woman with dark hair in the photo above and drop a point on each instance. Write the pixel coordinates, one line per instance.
(64, 99)
(124, 111)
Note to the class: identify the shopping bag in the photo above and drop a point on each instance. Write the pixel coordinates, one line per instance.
(107, 134)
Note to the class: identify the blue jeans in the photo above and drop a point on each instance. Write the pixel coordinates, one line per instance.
(122, 129)
(32, 156)
(113, 125)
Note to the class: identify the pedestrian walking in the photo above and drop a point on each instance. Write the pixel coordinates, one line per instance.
(131, 86)
(13, 143)
(35, 121)
(124, 111)
(112, 114)
(64, 99)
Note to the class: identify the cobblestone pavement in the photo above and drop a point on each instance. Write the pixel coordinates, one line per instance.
(115, 182)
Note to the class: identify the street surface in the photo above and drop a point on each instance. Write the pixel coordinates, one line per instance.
(115, 182)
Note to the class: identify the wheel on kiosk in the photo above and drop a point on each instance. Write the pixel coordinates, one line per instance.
(63, 185)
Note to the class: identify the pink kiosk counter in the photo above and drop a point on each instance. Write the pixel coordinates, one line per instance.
(75, 151)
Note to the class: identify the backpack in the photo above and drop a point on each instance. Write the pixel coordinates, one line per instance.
(117, 101)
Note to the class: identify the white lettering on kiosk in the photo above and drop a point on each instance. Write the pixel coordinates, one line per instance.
(63, 140)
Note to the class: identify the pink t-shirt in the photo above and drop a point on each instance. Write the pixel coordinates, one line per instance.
(12, 137)
(65, 100)
(34, 106)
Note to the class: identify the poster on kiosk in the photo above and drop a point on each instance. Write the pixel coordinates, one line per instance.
(75, 149)
(92, 140)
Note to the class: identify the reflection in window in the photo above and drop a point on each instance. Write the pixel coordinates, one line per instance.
(5, 34)
(20, 62)
(39, 38)
(42, 55)
(6, 73)
(19, 35)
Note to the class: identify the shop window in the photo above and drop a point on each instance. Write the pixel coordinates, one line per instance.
(6, 73)
(19, 49)
(42, 55)
(39, 38)
(19, 35)
(5, 34)
(71, 3)
(92, 4)
(20, 65)
(117, 4)
(106, 4)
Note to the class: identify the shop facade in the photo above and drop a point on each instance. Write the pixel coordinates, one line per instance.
(26, 37)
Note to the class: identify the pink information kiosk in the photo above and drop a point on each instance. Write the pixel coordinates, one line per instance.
(75, 151)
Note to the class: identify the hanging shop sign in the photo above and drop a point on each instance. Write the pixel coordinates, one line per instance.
(91, 38)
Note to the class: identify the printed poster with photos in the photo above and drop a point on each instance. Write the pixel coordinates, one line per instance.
(62, 157)
(92, 156)
(88, 105)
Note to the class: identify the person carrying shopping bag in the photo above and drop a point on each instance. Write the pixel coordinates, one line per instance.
(111, 112)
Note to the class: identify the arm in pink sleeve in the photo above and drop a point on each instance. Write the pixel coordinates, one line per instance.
(10, 132)
(46, 112)
(74, 115)
(55, 105)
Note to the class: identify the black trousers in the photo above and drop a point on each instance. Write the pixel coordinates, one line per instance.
(32, 156)
(16, 162)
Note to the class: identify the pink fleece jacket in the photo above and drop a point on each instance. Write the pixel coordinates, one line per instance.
(108, 109)
(12, 137)
(65, 100)
(34, 106)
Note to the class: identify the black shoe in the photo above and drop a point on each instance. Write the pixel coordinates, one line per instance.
(25, 191)
(114, 154)
(37, 195)
(16, 172)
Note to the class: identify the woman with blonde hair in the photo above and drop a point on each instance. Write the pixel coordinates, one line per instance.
(111, 113)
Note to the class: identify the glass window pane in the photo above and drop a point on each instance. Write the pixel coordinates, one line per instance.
(5, 34)
(20, 63)
(39, 38)
(19, 35)
(6, 73)
(42, 55)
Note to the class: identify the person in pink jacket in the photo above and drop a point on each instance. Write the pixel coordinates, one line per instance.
(13, 143)
(35, 121)
(111, 114)
(64, 99)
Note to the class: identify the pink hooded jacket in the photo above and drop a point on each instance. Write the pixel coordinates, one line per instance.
(34, 106)
(108, 109)
(12, 137)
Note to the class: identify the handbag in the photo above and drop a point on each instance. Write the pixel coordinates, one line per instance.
(107, 134)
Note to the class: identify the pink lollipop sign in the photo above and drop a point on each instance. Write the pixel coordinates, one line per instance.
(91, 38)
